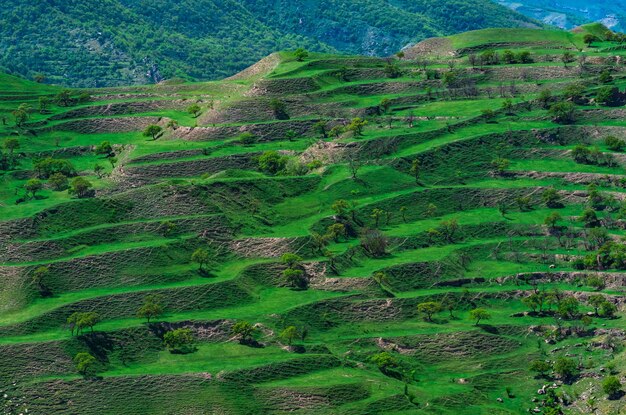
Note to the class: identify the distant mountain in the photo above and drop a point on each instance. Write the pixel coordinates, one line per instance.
(567, 14)
(115, 42)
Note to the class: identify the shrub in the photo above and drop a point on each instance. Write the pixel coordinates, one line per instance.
(180, 341)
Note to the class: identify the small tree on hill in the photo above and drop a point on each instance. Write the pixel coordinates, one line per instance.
(181, 341)
(566, 368)
(289, 334)
(589, 39)
(429, 309)
(194, 110)
(152, 131)
(541, 367)
(301, 54)
(415, 169)
(33, 186)
(201, 257)
(244, 330)
(152, 307)
(105, 149)
(374, 242)
(551, 198)
(612, 386)
(563, 112)
(567, 58)
(80, 187)
(479, 314)
(356, 126)
(39, 277)
(85, 364)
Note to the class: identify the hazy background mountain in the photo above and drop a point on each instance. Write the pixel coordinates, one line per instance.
(567, 14)
(116, 42)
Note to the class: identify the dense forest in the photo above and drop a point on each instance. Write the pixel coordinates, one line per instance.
(118, 42)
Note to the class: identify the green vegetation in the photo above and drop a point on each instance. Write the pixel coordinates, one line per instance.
(211, 39)
(323, 234)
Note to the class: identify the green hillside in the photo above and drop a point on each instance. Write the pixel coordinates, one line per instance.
(437, 233)
(121, 42)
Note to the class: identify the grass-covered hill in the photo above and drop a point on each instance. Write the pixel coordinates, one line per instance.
(440, 233)
(123, 42)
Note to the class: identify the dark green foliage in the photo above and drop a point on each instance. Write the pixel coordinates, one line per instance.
(180, 341)
(210, 38)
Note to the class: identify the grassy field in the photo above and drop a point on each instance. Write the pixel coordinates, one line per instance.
(463, 190)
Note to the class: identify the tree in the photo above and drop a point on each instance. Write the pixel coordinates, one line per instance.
(180, 341)
(563, 112)
(552, 219)
(44, 102)
(545, 98)
(596, 300)
(152, 131)
(295, 278)
(78, 321)
(356, 126)
(301, 54)
(279, 108)
(535, 301)
(551, 198)
(499, 165)
(201, 257)
(291, 260)
(479, 314)
(152, 307)
(64, 98)
(392, 70)
(320, 128)
(608, 96)
(567, 57)
(272, 162)
(80, 187)
(541, 367)
(614, 144)
(568, 307)
(507, 106)
(33, 186)
(10, 145)
(244, 330)
(384, 105)
(605, 77)
(58, 181)
(612, 387)
(85, 364)
(376, 215)
(566, 368)
(291, 135)
(246, 138)
(39, 277)
(448, 229)
(589, 39)
(104, 148)
(374, 242)
(415, 169)
(194, 110)
(429, 308)
(20, 116)
(607, 309)
(289, 334)
(98, 170)
(336, 231)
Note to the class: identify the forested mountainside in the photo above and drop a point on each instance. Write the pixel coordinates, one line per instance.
(89, 43)
(440, 232)
(568, 14)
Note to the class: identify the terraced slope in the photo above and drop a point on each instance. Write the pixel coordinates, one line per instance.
(399, 232)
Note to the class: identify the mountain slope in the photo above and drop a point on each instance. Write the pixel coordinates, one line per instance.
(457, 254)
(117, 42)
(571, 13)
